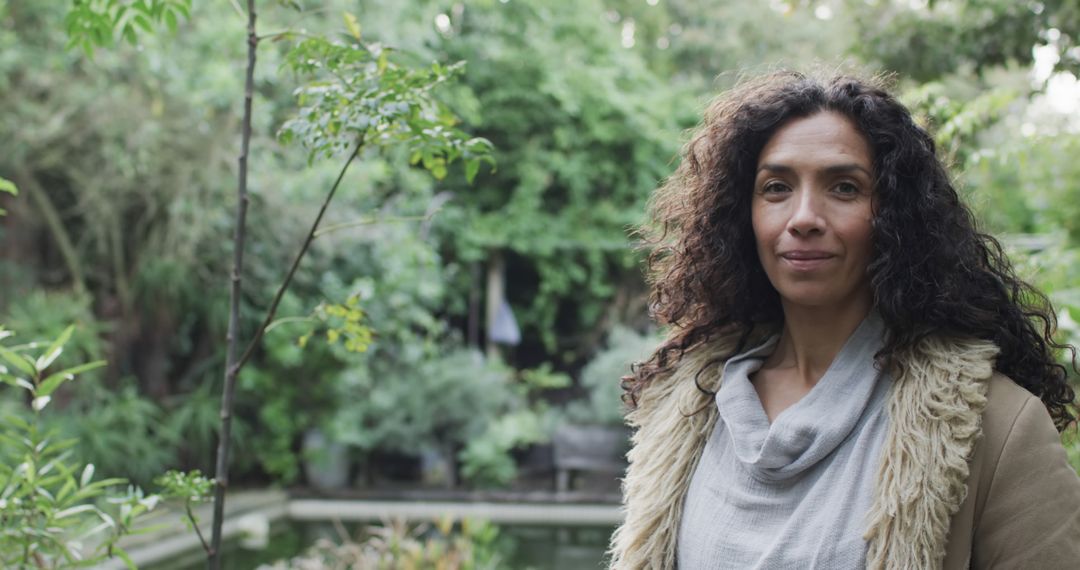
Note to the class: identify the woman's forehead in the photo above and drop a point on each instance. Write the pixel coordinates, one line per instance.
(824, 141)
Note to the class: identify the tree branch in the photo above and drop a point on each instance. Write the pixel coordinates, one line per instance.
(235, 369)
(221, 475)
(371, 221)
(195, 525)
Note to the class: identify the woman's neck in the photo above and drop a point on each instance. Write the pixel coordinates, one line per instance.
(813, 336)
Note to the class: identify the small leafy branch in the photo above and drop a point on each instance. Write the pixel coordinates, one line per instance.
(193, 488)
(343, 322)
(92, 23)
(51, 513)
(357, 93)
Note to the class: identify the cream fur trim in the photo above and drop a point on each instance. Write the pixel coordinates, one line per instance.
(935, 414)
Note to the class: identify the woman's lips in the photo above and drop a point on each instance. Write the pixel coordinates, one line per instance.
(806, 260)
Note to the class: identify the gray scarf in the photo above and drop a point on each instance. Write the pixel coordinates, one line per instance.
(794, 493)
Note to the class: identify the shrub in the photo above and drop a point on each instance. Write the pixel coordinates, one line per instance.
(601, 377)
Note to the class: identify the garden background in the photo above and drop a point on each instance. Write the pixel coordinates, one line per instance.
(449, 316)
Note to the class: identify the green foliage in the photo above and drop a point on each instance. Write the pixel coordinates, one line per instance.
(584, 132)
(525, 419)
(601, 377)
(486, 459)
(190, 487)
(91, 23)
(543, 377)
(1071, 441)
(927, 40)
(52, 512)
(112, 426)
(47, 314)
(9, 187)
(407, 406)
(705, 45)
(342, 321)
(470, 546)
(359, 95)
(190, 426)
(956, 122)
(1028, 184)
(282, 395)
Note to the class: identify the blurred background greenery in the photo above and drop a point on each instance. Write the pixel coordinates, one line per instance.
(126, 168)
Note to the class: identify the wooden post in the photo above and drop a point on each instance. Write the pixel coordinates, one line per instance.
(496, 281)
(475, 278)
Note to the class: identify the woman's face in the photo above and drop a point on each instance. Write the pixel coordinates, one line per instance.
(812, 211)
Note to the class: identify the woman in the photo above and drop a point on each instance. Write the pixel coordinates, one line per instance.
(854, 376)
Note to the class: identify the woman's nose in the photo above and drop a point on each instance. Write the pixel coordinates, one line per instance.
(806, 217)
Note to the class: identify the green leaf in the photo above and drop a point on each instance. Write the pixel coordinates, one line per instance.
(73, 511)
(87, 475)
(170, 20)
(12, 379)
(18, 422)
(119, 552)
(8, 186)
(184, 8)
(353, 25)
(25, 365)
(143, 22)
(54, 349)
(68, 374)
(52, 383)
(472, 166)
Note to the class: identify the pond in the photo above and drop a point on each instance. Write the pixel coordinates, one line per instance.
(521, 547)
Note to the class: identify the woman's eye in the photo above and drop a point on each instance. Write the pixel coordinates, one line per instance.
(846, 189)
(773, 188)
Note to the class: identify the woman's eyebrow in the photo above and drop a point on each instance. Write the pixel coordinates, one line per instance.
(831, 169)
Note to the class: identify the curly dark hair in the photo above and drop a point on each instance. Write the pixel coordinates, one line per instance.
(933, 271)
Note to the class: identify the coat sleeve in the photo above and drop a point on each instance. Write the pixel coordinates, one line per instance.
(1031, 517)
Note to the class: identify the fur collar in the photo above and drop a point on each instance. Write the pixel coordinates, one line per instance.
(935, 409)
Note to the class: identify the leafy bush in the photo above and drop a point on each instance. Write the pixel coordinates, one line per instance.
(52, 512)
(601, 377)
(395, 545)
(112, 427)
(486, 459)
(407, 407)
(46, 314)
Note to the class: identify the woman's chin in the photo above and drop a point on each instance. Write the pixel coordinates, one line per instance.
(820, 297)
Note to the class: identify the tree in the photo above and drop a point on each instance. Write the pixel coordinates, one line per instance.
(931, 39)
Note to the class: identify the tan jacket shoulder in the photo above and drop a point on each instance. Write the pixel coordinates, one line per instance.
(1022, 508)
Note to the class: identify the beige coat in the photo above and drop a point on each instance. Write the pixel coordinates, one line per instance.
(972, 473)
